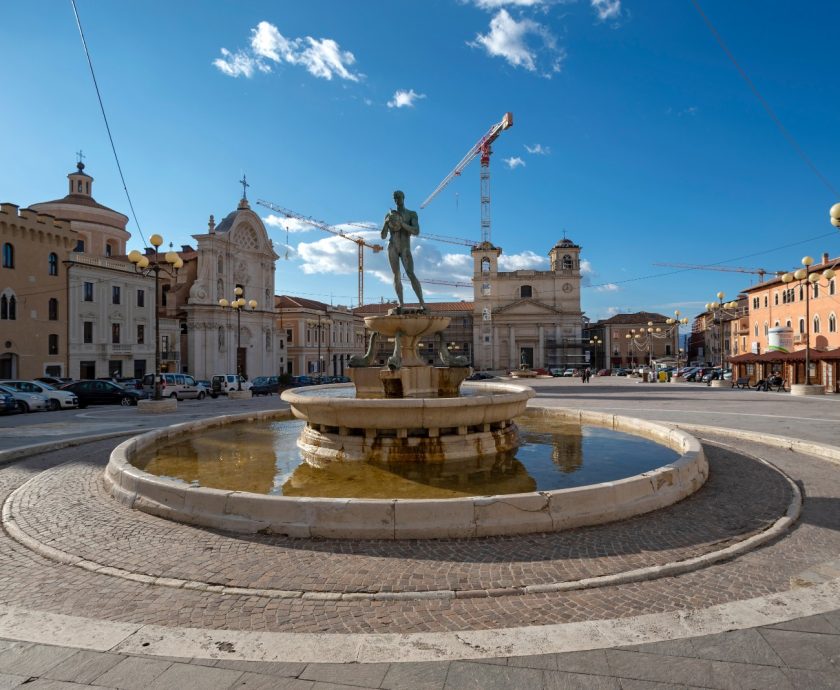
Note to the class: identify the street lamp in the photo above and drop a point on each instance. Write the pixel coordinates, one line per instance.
(596, 341)
(145, 266)
(238, 303)
(810, 279)
(674, 329)
(319, 325)
(835, 215)
(718, 310)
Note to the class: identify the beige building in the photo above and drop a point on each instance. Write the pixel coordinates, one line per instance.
(33, 293)
(111, 307)
(526, 316)
(320, 338)
(610, 347)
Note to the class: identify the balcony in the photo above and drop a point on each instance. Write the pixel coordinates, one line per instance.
(116, 349)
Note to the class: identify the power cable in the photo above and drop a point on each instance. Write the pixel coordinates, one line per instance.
(764, 104)
(105, 118)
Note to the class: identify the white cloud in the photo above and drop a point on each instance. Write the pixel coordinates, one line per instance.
(538, 150)
(238, 64)
(507, 39)
(496, 4)
(514, 162)
(606, 9)
(586, 268)
(405, 99)
(608, 287)
(322, 58)
(524, 261)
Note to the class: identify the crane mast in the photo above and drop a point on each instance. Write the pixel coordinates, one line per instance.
(484, 149)
(358, 241)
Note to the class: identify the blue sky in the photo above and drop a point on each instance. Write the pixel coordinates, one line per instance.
(634, 133)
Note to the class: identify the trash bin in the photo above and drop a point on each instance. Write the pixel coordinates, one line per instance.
(663, 377)
(645, 377)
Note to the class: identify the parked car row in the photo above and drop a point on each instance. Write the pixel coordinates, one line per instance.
(318, 380)
(34, 396)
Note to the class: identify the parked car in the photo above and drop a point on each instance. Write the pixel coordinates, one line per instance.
(570, 372)
(136, 384)
(303, 380)
(178, 386)
(26, 402)
(222, 384)
(58, 400)
(619, 372)
(603, 372)
(265, 385)
(55, 381)
(8, 404)
(96, 392)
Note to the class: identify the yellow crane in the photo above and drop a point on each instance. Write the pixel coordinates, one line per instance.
(358, 241)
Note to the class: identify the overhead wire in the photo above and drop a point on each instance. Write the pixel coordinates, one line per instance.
(105, 118)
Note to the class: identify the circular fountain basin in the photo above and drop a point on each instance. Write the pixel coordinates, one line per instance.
(398, 518)
(408, 429)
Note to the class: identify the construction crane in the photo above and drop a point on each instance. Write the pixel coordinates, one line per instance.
(424, 235)
(433, 281)
(484, 149)
(358, 241)
(760, 272)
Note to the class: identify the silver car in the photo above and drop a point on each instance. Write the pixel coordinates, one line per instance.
(27, 402)
(57, 400)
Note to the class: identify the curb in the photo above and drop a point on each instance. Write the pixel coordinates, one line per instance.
(9, 456)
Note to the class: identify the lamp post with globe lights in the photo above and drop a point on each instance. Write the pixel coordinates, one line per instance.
(319, 327)
(834, 213)
(238, 303)
(674, 330)
(169, 263)
(718, 310)
(810, 279)
(596, 342)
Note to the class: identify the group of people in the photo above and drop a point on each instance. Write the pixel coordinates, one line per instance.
(772, 381)
(585, 374)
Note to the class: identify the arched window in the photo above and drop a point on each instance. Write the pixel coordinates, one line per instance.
(766, 328)
(485, 265)
(53, 264)
(801, 292)
(831, 287)
(4, 307)
(80, 246)
(8, 255)
(801, 325)
(832, 323)
(816, 323)
(755, 329)
(816, 290)
(788, 323)
(53, 309)
(567, 261)
(220, 265)
(777, 324)
(52, 345)
(12, 308)
(776, 298)
(108, 249)
(765, 300)
(525, 291)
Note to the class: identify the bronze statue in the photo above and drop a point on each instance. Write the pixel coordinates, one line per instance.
(402, 223)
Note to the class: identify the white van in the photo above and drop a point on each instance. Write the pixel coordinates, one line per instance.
(178, 386)
(222, 384)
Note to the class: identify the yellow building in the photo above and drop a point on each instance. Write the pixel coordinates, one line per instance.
(33, 293)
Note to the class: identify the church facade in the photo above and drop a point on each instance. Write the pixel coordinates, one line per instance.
(527, 317)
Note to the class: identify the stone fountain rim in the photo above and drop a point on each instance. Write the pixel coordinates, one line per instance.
(475, 516)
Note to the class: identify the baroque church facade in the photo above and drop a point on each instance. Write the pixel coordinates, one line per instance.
(527, 317)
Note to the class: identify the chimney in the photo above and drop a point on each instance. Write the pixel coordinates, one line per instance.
(825, 258)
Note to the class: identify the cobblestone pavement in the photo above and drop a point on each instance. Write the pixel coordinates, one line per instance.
(62, 505)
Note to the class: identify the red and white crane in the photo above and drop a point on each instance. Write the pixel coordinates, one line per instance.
(482, 148)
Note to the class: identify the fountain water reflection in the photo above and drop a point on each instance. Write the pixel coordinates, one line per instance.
(264, 458)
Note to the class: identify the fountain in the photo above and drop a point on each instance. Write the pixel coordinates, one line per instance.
(409, 413)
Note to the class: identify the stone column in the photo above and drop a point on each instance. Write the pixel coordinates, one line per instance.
(513, 359)
(494, 350)
(540, 348)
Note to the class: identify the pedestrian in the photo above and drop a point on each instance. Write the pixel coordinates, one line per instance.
(588, 374)
(583, 375)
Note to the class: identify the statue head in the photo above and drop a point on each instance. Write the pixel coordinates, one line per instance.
(399, 197)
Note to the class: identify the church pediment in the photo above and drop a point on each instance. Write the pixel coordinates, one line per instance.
(526, 307)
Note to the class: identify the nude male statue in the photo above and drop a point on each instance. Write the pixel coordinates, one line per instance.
(402, 224)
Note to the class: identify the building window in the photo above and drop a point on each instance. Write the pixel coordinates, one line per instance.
(832, 323)
(831, 288)
(108, 249)
(88, 292)
(801, 292)
(4, 308)
(816, 290)
(816, 323)
(220, 265)
(567, 261)
(80, 246)
(141, 298)
(115, 333)
(776, 298)
(52, 309)
(525, 291)
(164, 294)
(787, 323)
(801, 325)
(765, 301)
(115, 294)
(53, 344)
(766, 329)
(8, 255)
(289, 336)
(485, 265)
(53, 259)
(141, 334)
(87, 332)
